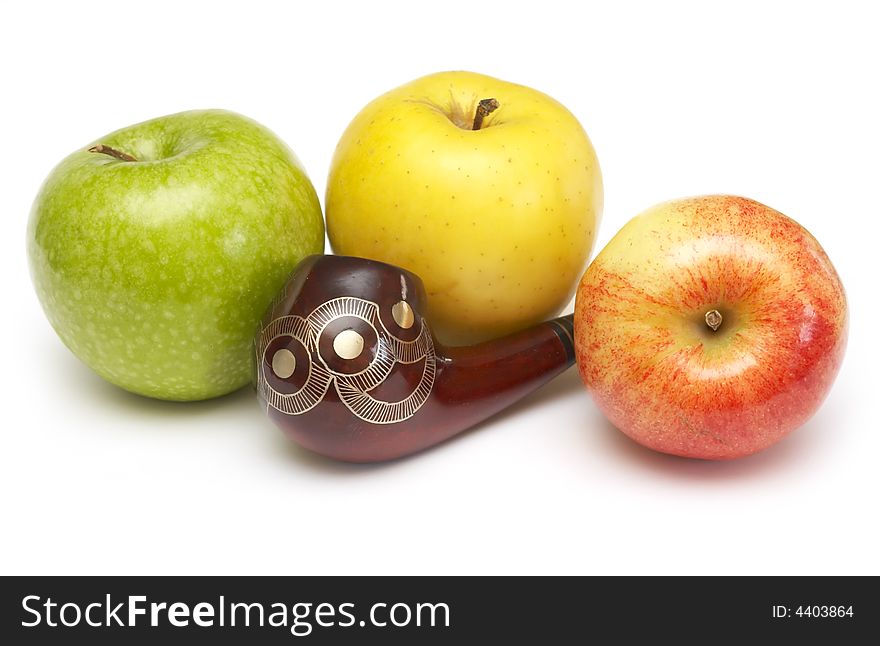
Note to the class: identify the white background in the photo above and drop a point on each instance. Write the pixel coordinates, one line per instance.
(776, 101)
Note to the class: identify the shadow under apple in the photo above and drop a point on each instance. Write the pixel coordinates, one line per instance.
(92, 386)
(791, 452)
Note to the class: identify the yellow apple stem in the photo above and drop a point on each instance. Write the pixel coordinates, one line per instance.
(714, 319)
(107, 150)
(484, 109)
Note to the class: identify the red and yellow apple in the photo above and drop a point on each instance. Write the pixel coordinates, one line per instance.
(710, 327)
(496, 213)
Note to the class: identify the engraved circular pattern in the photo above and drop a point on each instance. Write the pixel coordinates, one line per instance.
(296, 379)
(353, 382)
(389, 322)
(317, 379)
(327, 337)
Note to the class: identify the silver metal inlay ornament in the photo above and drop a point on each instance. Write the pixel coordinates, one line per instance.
(353, 388)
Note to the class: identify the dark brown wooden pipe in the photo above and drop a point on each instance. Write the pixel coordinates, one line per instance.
(347, 366)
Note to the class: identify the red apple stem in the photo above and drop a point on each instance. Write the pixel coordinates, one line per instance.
(107, 150)
(484, 109)
(714, 319)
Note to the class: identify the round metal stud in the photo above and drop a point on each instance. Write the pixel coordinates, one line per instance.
(403, 314)
(283, 363)
(348, 344)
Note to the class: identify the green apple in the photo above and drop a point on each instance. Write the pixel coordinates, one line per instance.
(155, 250)
(489, 191)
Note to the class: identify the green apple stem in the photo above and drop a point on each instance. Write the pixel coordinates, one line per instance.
(107, 150)
(484, 109)
(714, 319)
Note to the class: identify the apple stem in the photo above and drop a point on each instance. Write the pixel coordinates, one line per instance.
(484, 109)
(714, 319)
(107, 150)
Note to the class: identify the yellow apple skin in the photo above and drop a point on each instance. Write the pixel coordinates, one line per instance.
(654, 366)
(498, 222)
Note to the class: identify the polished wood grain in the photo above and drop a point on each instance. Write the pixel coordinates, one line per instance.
(469, 383)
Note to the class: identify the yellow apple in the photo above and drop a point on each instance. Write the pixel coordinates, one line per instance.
(498, 221)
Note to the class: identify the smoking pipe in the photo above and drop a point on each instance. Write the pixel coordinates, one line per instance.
(346, 364)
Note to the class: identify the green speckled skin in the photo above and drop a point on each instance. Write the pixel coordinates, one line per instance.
(155, 273)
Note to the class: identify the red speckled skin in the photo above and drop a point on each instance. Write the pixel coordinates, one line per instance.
(657, 370)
